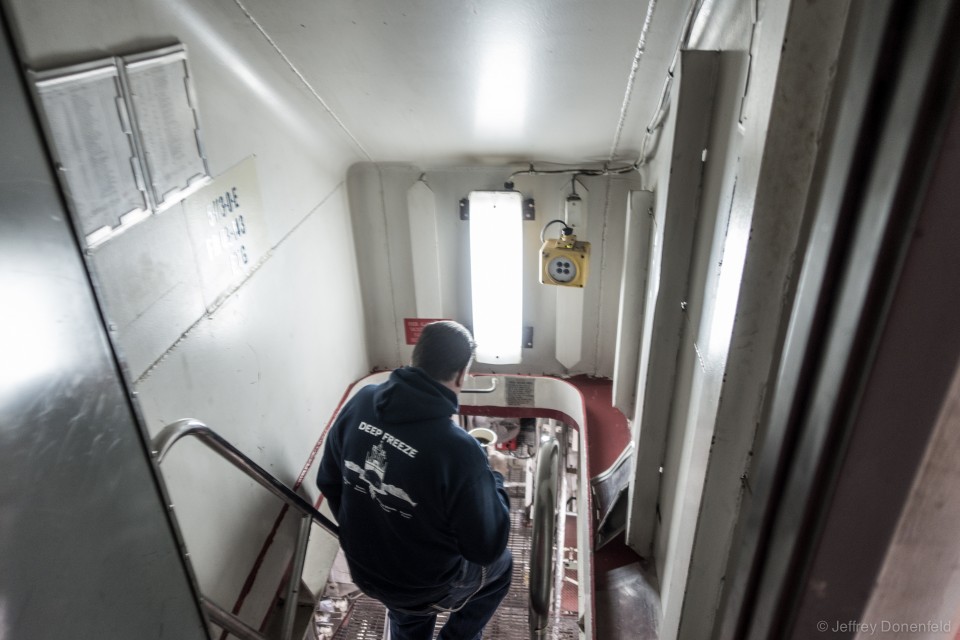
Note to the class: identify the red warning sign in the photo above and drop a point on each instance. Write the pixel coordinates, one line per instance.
(413, 327)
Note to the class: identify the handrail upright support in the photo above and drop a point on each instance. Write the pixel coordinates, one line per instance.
(293, 584)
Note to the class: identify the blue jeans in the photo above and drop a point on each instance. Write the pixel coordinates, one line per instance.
(474, 597)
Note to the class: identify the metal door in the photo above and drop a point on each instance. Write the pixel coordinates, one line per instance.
(87, 549)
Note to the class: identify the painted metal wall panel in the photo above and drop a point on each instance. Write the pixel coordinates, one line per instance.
(770, 200)
(633, 286)
(570, 307)
(915, 585)
(422, 212)
(269, 365)
(881, 367)
(86, 547)
(265, 371)
(675, 216)
(150, 288)
(615, 193)
(715, 271)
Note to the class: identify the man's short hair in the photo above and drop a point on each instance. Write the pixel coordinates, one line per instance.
(444, 349)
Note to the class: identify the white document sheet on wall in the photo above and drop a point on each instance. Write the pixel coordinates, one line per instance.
(94, 148)
(163, 103)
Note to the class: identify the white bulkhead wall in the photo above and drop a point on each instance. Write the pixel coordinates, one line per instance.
(257, 369)
(378, 200)
(758, 165)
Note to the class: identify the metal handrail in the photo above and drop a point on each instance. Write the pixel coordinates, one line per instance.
(544, 537)
(490, 389)
(161, 445)
(174, 431)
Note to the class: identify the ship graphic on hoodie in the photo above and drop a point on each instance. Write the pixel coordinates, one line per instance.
(369, 478)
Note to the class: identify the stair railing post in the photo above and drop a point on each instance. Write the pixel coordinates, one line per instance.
(296, 573)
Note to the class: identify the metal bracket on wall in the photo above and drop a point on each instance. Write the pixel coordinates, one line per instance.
(529, 209)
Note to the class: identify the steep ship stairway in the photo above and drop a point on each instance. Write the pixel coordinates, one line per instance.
(573, 575)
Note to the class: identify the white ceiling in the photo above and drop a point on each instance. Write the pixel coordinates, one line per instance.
(440, 81)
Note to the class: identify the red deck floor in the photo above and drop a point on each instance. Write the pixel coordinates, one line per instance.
(607, 435)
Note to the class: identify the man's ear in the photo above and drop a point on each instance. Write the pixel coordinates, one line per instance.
(461, 377)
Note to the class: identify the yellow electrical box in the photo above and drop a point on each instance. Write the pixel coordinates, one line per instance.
(565, 262)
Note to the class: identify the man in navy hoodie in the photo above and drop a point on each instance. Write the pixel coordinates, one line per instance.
(423, 518)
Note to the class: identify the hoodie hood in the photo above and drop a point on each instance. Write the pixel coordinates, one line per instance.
(410, 395)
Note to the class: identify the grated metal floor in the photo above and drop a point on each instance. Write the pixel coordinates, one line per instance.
(366, 618)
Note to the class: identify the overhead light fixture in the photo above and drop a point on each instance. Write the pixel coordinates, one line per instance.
(496, 275)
